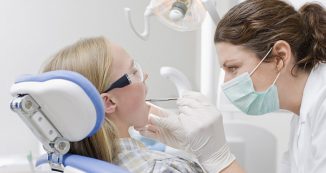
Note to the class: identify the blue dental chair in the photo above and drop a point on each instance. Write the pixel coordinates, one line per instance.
(60, 107)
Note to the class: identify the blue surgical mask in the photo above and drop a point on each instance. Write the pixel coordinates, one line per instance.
(241, 93)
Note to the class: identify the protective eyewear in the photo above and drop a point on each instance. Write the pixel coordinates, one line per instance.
(136, 75)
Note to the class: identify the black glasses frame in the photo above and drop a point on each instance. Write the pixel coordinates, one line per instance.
(121, 82)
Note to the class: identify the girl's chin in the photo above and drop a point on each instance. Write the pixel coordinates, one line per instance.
(139, 126)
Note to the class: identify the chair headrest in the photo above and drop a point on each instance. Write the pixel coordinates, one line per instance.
(70, 101)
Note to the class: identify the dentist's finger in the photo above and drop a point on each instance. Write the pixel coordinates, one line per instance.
(196, 96)
(149, 134)
(168, 123)
(156, 110)
(148, 127)
(189, 93)
(188, 102)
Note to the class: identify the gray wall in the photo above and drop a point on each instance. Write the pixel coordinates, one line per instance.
(32, 30)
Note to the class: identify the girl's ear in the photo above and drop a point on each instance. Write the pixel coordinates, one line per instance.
(109, 103)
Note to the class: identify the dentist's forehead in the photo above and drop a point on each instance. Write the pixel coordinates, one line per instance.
(229, 53)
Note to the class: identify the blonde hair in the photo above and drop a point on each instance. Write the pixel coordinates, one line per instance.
(92, 58)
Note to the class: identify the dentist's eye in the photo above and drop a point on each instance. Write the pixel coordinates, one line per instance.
(232, 69)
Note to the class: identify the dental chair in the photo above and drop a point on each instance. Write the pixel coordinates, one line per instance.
(60, 107)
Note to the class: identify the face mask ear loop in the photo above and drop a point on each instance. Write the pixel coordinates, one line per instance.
(261, 61)
(276, 78)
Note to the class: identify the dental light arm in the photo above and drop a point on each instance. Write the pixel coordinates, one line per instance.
(148, 13)
(176, 15)
(211, 9)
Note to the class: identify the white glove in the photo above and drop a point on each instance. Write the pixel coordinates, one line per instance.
(198, 129)
(162, 130)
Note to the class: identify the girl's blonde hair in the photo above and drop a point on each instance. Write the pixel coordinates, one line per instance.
(92, 58)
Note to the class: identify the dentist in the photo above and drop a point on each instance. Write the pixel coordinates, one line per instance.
(274, 58)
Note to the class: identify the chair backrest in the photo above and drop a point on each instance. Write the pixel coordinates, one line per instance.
(84, 164)
(61, 107)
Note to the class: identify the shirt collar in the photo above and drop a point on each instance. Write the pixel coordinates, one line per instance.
(130, 144)
(315, 82)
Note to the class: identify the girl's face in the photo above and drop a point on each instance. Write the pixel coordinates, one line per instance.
(130, 108)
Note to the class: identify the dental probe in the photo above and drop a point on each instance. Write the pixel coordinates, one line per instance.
(161, 100)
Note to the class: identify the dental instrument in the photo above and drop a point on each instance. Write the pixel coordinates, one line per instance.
(161, 99)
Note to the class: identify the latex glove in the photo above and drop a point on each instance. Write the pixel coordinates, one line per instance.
(164, 132)
(197, 129)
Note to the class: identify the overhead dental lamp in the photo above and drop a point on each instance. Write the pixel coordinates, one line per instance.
(188, 15)
(181, 15)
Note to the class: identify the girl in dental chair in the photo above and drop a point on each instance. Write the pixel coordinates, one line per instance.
(121, 82)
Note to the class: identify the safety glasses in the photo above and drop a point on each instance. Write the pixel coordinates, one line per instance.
(136, 75)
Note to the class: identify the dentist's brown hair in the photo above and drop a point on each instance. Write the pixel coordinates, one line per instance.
(258, 24)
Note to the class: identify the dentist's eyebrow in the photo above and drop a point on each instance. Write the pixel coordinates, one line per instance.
(229, 61)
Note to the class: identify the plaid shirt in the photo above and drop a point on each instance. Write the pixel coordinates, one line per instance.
(138, 159)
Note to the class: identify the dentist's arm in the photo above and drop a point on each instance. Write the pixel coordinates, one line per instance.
(197, 129)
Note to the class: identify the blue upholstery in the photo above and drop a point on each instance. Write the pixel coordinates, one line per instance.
(85, 164)
(78, 79)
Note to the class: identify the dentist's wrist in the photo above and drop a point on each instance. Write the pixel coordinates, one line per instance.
(217, 161)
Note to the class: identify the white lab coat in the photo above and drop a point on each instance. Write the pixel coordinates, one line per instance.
(307, 144)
